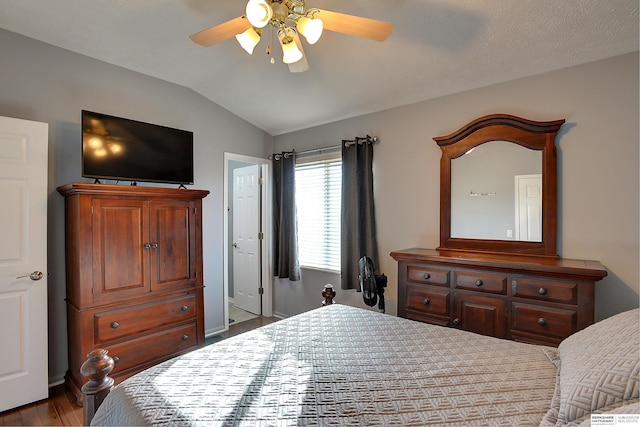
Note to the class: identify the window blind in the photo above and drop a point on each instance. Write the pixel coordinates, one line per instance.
(318, 193)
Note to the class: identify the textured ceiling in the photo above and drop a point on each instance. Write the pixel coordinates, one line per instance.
(437, 48)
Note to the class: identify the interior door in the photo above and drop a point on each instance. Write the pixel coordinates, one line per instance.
(246, 242)
(23, 262)
(529, 207)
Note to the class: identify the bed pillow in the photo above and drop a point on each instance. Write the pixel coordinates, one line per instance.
(599, 366)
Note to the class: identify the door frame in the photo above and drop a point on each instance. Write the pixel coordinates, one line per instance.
(267, 296)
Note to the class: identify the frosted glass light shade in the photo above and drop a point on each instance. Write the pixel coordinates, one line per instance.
(311, 29)
(248, 39)
(259, 13)
(291, 53)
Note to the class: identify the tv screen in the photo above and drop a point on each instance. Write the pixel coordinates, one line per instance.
(129, 150)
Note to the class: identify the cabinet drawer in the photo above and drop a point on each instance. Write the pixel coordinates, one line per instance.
(428, 275)
(152, 347)
(428, 301)
(528, 287)
(136, 319)
(483, 282)
(543, 320)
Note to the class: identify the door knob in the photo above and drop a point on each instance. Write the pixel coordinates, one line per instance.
(235, 245)
(36, 275)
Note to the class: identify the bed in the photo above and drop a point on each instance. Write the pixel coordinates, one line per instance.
(340, 365)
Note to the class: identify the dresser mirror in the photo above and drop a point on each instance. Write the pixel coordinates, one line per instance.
(498, 186)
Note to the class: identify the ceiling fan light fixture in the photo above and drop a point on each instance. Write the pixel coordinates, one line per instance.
(310, 28)
(248, 39)
(259, 13)
(290, 50)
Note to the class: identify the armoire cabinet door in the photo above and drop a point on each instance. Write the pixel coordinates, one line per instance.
(173, 241)
(120, 257)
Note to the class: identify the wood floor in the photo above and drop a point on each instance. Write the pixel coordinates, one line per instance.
(60, 408)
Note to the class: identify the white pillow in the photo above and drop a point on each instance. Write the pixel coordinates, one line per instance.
(599, 366)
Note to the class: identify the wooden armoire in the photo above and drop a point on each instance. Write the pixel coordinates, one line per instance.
(134, 275)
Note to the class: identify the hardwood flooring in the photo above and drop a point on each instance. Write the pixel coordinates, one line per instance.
(60, 409)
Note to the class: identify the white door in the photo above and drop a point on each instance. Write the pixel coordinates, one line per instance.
(529, 207)
(246, 242)
(23, 262)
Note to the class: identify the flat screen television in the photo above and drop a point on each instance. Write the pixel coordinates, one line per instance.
(128, 150)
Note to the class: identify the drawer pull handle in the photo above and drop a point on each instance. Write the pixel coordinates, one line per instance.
(115, 325)
(427, 276)
(116, 359)
(478, 282)
(426, 301)
(184, 308)
(456, 321)
(185, 337)
(542, 321)
(542, 291)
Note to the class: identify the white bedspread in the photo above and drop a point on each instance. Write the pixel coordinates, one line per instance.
(340, 365)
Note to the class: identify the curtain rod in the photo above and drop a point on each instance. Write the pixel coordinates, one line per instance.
(347, 143)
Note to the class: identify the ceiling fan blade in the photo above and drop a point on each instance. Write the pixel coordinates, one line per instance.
(355, 25)
(221, 32)
(302, 65)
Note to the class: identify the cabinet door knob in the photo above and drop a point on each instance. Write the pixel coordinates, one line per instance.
(147, 246)
(426, 301)
(185, 337)
(184, 308)
(115, 325)
(456, 321)
(542, 321)
(427, 276)
(478, 282)
(542, 291)
(116, 359)
(154, 246)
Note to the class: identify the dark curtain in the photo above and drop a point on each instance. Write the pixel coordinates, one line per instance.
(358, 210)
(285, 225)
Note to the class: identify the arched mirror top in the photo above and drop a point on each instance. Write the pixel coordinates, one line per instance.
(464, 206)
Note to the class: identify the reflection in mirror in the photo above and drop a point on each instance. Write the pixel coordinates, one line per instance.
(496, 193)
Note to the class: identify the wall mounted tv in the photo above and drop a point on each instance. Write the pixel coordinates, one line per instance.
(128, 150)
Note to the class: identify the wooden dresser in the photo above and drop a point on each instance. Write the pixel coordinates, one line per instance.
(134, 275)
(532, 299)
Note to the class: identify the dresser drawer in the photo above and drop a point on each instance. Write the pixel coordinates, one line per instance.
(158, 346)
(428, 301)
(545, 290)
(543, 320)
(428, 275)
(114, 324)
(480, 281)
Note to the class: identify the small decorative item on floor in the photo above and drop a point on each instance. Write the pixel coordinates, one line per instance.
(328, 293)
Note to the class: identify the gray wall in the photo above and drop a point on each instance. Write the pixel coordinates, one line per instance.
(597, 164)
(44, 83)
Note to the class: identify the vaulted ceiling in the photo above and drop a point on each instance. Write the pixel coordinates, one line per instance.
(437, 48)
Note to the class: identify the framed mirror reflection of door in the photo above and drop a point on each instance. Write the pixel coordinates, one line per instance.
(498, 186)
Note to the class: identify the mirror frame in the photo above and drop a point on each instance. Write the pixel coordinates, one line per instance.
(502, 127)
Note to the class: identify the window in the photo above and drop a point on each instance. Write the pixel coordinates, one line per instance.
(318, 194)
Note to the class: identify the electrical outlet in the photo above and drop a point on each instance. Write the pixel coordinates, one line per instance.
(509, 233)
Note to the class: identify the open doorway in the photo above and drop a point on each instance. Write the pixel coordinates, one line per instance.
(247, 197)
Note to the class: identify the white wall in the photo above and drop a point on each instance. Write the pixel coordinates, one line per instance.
(48, 84)
(598, 179)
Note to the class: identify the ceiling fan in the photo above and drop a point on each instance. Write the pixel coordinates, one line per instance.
(289, 18)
